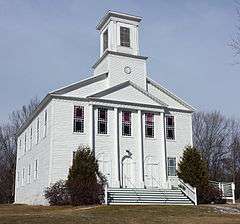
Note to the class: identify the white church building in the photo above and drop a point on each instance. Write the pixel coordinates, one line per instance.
(136, 128)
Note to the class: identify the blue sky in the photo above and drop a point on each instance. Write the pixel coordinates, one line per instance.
(46, 44)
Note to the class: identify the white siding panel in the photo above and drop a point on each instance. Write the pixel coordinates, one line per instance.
(164, 97)
(130, 94)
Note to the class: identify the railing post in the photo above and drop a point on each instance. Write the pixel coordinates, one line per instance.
(106, 195)
(222, 189)
(195, 192)
(233, 193)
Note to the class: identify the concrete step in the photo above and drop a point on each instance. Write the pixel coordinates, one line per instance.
(147, 196)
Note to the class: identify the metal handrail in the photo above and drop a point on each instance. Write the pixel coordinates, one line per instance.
(134, 187)
(193, 190)
(159, 185)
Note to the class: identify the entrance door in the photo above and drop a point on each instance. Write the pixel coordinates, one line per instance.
(151, 175)
(105, 166)
(128, 174)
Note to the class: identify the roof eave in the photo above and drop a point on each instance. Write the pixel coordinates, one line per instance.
(110, 14)
(178, 99)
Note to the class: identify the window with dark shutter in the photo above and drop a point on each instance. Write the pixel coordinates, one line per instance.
(126, 123)
(78, 120)
(102, 121)
(149, 125)
(125, 36)
(170, 127)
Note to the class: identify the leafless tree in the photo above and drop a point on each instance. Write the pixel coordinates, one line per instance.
(218, 139)
(235, 42)
(210, 136)
(8, 146)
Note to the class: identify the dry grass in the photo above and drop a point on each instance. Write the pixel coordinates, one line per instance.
(19, 214)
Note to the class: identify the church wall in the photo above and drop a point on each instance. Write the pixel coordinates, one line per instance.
(89, 89)
(164, 97)
(101, 68)
(105, 145)
(117, 74)
(130, 94)
(31, 192)
(154, 154)
(65, 141)
(130, 143)
(175, 148)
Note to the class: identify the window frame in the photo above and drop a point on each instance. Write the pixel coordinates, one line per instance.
(170, 127)
(23, 176)
(105, 40)
(102, 122)
(18, 179)
(25, 142)
(45, 123)
(149, 124)
(36, 169)
(169, 167)
(29, 174)
(31, 137)
(78, 119)
(125, 39)
(38, 131)
(127, 123)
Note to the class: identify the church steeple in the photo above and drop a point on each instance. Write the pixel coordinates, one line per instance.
(119, 50)
(119, 33)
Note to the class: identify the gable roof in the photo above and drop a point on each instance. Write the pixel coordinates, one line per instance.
(80, 84)
(170, 94)
(123, 85)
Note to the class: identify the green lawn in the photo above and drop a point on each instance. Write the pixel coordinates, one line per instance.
(19, 214)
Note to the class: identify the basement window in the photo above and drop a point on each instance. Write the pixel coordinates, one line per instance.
(126, 123)
(171, 166)
(102, 121)
(78, 120)
(125, 36)
(170, 127)
(149, 125)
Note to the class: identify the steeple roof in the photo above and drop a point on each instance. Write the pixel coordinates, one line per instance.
(117, 15)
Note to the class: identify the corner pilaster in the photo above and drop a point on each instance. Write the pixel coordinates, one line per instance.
(141, 153)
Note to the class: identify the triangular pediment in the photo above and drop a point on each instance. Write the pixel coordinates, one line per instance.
(168, 97)
(130, 93)
(84, 87)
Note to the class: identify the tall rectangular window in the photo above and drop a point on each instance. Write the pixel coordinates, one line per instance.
(29, 173)
(125, 36)
(23, 176)
(149, 125)
(36, 170)
(78, 119)
(45, 123)
(18, 178)
(105, 40)
(31, 137)
(25, 142)
(20, 147)
(171, 166)
(38, 130)
(102, 121)
(170, 127)
(126, 123)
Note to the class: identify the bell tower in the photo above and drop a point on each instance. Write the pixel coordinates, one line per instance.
(119, 49)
